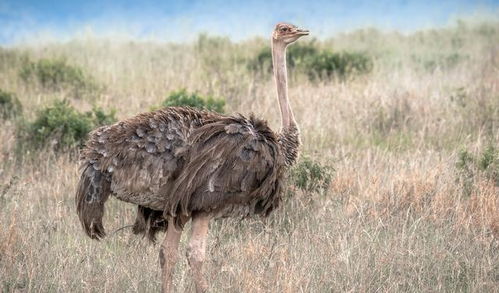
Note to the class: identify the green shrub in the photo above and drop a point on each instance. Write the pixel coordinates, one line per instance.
(57, 74)
(10, 106)
(183, 98)
(341, 64)
(100, 117)
(62, 125)
(296, 56)
(489, 162)
(311, 176)
(308, 59)
(465, 171)
(470, 166)
(262, 61)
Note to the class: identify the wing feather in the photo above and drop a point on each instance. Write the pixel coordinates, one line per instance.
(143, 154)
(231, 162)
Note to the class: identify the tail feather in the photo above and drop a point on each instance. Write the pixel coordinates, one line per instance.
(92, 192)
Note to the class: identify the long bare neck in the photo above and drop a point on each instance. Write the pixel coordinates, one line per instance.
(289, 137)
(281, 81)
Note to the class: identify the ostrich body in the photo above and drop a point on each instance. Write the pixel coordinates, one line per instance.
(181, 163)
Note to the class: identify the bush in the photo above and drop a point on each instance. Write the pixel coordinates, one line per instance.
(63, 126)
(100, 117)
(308, 59)
(470, 166)
(296, 55)
(311, 176)
(183, 98)
(263, 61)
(56, 74)
(10, 106)
(341, 64)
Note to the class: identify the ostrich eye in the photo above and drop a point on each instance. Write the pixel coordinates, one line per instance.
(284, 29)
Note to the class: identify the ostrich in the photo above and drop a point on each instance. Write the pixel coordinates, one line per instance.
(179, 164)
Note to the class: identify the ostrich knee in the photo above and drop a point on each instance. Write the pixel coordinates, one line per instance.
(196, 251)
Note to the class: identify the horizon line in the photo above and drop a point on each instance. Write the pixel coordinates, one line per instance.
(89, 33)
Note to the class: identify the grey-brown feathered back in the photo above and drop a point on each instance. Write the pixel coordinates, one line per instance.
(180, 160)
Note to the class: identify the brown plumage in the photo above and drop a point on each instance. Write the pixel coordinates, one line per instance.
(180, 160)
(181, 163)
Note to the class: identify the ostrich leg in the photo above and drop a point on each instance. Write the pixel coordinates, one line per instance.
(196, 250)
(168, 255)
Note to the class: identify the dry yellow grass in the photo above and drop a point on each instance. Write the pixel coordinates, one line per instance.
(399, 214)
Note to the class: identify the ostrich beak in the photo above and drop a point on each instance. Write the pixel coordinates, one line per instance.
(302, 32)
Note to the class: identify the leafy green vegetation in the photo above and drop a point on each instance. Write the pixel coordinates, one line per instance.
(316, 63)
(61, 125)
(10, 106)
(342, 64)
(296, 55)
(310, 175)
(469, 166)
(184, 98)
(57, 74)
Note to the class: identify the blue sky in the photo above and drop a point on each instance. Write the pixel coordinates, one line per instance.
(33, 20)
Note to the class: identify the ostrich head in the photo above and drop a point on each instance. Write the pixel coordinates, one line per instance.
(287, 33)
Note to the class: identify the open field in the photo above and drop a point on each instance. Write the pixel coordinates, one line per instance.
(413, 202)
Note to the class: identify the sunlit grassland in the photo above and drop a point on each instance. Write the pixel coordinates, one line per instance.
(413, 202)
